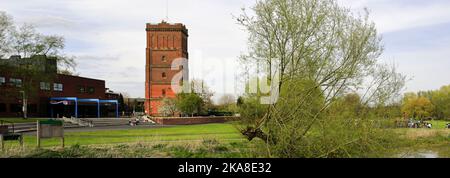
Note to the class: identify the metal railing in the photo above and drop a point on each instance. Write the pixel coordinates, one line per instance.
(78, 121)
(9, 122)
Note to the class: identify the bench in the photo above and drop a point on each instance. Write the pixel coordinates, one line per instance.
(6, 135)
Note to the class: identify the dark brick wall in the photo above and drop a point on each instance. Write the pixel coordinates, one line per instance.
(72, 84)
(10, 96)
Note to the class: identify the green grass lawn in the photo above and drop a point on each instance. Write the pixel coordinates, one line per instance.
(439, 124)
(187, 134)
(20, 120)
(209, 140)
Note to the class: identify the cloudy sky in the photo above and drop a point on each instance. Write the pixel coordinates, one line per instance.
(108, 36)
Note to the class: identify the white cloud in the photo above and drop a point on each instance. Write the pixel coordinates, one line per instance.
(108, 36)
(428, 69)
(113, 32)
(398, 15)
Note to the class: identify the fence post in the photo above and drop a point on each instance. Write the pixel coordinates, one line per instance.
(38, 135)
(62, 136)
(1, 141)
(21, 141)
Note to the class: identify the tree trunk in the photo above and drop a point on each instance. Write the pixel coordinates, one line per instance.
(252, 133)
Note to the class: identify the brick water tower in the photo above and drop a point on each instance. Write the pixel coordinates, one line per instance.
(165, 43)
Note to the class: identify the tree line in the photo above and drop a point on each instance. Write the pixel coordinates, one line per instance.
(198, 102)
(434, 104)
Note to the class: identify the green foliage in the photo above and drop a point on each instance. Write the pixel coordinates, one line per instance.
(251, 109)
(189, 103)
(389, 112)
(417, 107)
(345, 128)
(440, 99)
(291, 118)
(320, 52)
(347, 106)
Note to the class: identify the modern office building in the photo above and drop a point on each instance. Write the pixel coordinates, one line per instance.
(57, 95)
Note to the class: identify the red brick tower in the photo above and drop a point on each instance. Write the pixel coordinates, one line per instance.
(165, 43)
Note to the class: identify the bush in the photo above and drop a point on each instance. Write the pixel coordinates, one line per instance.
(189, 103)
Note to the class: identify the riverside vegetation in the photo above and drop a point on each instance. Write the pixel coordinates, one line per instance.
(200, 141)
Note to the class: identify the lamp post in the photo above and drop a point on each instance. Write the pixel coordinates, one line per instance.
(24, 105)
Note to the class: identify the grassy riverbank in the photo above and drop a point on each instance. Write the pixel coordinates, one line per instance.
(210, 140)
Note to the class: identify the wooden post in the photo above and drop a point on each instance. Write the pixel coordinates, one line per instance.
(1, 141)
(51, 129)
(21, 141)
(62, 141)
(38, 137)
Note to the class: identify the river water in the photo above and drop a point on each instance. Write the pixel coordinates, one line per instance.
(421, 154)
(442, 151)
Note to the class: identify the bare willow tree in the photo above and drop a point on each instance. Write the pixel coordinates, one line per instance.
(201, 88)
(25, 41)
(5, 27)
(319, 51)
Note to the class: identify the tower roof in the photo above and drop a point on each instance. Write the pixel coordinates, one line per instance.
(165, 26)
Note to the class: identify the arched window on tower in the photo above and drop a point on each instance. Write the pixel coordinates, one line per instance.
(163, 59)
(164, 75)
(163, 91)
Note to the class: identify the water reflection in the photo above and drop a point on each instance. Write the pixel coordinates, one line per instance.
(421, 154)
(440, 151)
